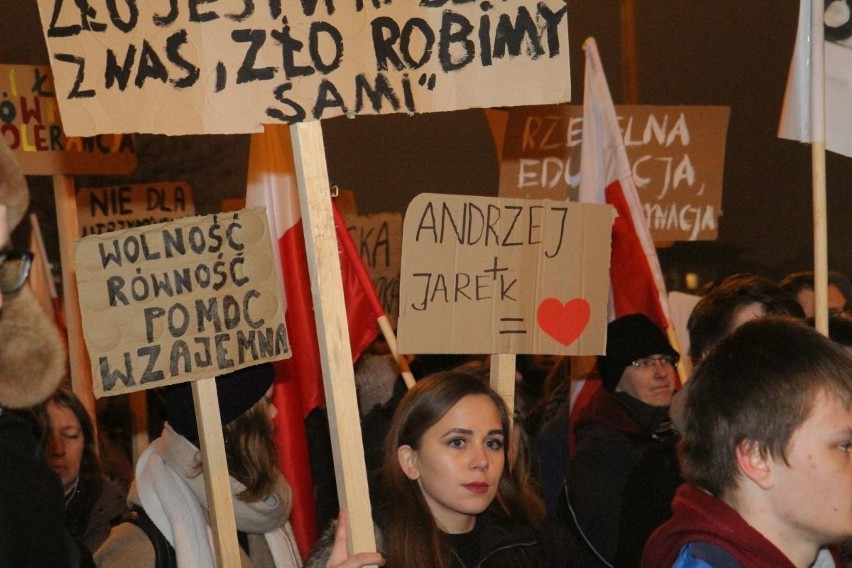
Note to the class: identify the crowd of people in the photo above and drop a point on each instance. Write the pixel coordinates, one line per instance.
(746, 463)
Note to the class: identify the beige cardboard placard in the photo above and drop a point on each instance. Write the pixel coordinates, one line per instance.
(496, 275)
(378, 239)
(179, 301)
(30, 125)
(677, 154)
(113, 208)
(231, 65)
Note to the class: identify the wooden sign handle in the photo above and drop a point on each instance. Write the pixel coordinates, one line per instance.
(503, 378)
(216, 478)
(65, 197)
(332, 332)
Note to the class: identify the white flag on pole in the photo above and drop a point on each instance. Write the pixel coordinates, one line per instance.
(795, 114)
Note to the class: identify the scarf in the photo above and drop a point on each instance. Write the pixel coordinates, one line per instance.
(171, 489)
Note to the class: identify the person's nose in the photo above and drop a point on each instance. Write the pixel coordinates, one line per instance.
(479, 458)
(662, 369)
(55, 446)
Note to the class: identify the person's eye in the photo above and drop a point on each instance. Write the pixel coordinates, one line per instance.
(456, 443)
(495, 444)
(71, 436)
(845, 446)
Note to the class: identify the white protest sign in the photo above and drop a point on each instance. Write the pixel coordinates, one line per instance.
(378, 239)
(231, 65)
(113, 208)
(495, 275)
(179, 301)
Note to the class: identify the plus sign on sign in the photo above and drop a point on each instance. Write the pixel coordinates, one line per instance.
(497, 275)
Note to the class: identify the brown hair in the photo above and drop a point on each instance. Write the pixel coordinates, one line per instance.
(758, 385)
(412, 535)
(251, 452)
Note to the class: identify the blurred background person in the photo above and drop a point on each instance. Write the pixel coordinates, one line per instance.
(800, 285)
(169, 497)
(93, 502)
(621, 422)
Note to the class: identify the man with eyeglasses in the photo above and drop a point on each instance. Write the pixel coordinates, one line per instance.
(614, 430)
(32, 364)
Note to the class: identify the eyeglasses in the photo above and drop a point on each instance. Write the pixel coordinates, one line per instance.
(14, 270)
(650, 362)
(846, 310)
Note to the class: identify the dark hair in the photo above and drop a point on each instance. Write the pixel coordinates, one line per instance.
(714, 315)
(89, 467)
(758, 385)
(412, 535)
(795, 282)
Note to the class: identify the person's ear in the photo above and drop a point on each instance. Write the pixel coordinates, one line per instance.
(407, 458)
(754, 465)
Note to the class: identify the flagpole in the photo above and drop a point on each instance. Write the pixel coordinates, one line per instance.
(390, 338)
(817, 122)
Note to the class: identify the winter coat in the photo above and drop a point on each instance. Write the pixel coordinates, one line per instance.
(503, 543)
(93, 508)
(32, 530)
(612, 433)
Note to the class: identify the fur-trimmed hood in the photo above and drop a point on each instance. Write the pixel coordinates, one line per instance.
(32, 353)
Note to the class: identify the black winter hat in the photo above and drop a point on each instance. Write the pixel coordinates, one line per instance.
(237, 392)
(629, 338)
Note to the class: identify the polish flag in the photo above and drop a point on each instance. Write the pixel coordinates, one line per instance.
(40, 279)
(636, 280)
(298, 385)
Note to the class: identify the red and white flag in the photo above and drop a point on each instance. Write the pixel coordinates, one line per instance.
(636, 280)
(298, 385)
(40, 279)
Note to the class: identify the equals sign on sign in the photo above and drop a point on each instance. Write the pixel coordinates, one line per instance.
(510, 322)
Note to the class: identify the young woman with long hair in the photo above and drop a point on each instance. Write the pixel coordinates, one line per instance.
(450, 497)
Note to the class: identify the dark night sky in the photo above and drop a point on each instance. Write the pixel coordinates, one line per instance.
(689, 52)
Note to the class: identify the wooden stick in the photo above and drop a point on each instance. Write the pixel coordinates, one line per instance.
(216, 478)
(629, 69)
(333, 333)
(139, 440)
(502, 378)
(390, 338)
(817, 123)
(65, 197)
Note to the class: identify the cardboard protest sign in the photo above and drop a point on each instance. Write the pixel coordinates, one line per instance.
(378, 239)
(231, 65)
(31, 126)
(107, 209)
(179, 301)
(677, 154)
(494, 275)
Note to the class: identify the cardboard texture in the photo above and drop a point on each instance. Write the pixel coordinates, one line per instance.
(231, 65)
(107, 209)
(493, 275)
(677, 154)
(180, 301)
(378, 239)
(30, 124)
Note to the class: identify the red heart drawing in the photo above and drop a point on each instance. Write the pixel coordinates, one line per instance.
(563, 322)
